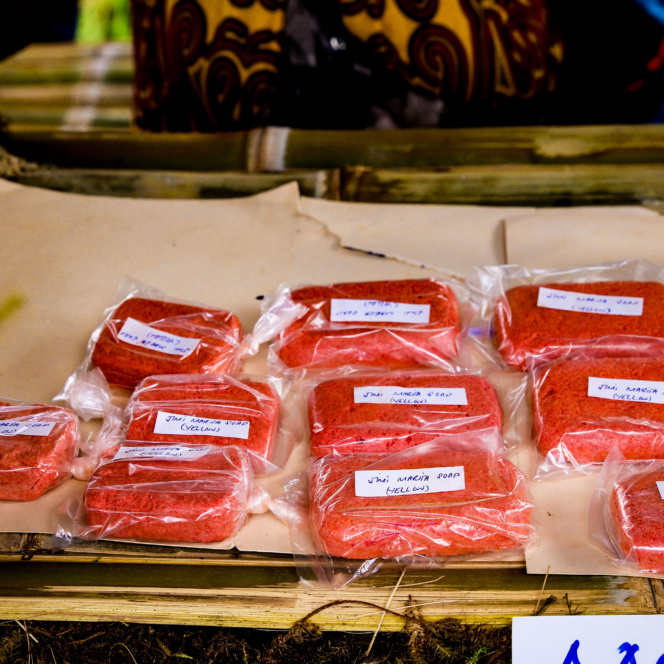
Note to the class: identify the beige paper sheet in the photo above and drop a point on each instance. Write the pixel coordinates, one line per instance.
(559, 239)
(64, 255)
(574, 237)
(451, 239)
(561, 517)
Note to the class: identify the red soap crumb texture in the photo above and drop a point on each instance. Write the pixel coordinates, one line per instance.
(527, 335)
(31, 465)
(315, 341)
(578, 429)
(124, 364)
(338, 425)
(202, 500)
(637, 510)
(214, 398)
(491, 514)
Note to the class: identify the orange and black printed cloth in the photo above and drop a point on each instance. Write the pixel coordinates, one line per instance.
(210, 65)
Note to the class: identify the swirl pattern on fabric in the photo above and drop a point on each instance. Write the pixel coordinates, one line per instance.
(224, 83)
(373, 8)
(419, 10)
(461, 50)
(211, 65)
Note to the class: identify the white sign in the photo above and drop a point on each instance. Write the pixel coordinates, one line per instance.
(138, 334)
(176, 452)
(448, 396)
(648, 391)
(378, 311)
(23, 428)
(551, 298)
(588, 640)
(187, 425)
(375, 483)
(660, 486)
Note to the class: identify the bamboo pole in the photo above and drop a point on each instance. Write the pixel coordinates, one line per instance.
(129, 150)
(175, 184)
(21, 97)
(508, 185)
(277, 149)
(433, 148)
(540, 185)
(264, 596)
(68, 63)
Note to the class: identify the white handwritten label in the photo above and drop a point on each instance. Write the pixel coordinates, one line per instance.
(440, 396)
(583, 639)
(23, 428)
(378, 311)
(187, 425)
(551, 298)
(138, 334)
(177, 452)
(660, 487)
(648, 391)
(375, 483)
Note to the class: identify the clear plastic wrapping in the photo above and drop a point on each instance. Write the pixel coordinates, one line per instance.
(540, 315)
(38, 444)
(387, 324)
(167, 493)
(149, 333)
(626, 517)
(387, 412)
(450, 497)
(206, 409)
(583, 406)
(215, 335)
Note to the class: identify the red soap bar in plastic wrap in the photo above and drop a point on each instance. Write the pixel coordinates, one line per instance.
(637, 509)
(33, 462)
(247, 402)
(490, 514)
(199, 500)
(527, 335)
(315, 341)
(339, 425)
(124, 364)
(573, 428)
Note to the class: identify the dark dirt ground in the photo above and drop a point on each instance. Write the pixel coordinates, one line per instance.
(420, 642)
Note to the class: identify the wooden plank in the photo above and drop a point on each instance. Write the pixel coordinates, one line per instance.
(536, 185)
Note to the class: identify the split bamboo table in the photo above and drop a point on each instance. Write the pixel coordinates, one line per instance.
(115, 582)
(52, 146)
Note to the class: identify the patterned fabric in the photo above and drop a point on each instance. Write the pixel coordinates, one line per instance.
(206, 66)
(463, 51)
(209, 65)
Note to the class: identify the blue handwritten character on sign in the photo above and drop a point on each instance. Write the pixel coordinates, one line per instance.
(630, 653)
(628, 649)
(573, 654)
